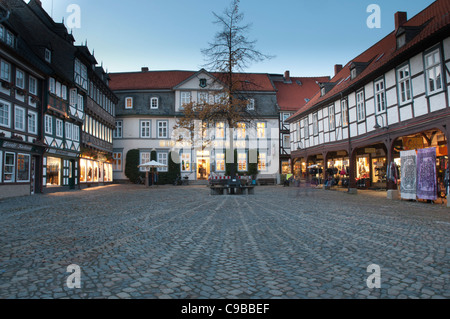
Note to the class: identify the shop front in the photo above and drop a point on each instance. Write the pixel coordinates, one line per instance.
(60, 170)
(422, 161)
(95, 172)
(371, 167)
(19, 168)
(337, 171)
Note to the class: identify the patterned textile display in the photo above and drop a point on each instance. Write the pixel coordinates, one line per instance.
(426, 174)
(408, 186)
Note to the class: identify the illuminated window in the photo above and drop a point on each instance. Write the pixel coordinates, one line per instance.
(261, 130)
(220, 162)
(220, 130)
(241, 130)
(117, 161)
(262, 162)
(242, 162)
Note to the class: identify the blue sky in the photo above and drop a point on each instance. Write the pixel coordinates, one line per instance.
(306, 37)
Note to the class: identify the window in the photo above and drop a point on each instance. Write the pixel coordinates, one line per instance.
(353, 73)
(64, 92)
(119, 129)
(2, 33)
(220, 162)
(185, 98)
(48, 56)
(404, 84)
(344, 107)
(1, 161)
(117, 161)
(331, 118)
(20, 79)
(58, 89)
(23, 168)
(69, 130)
(52, 85)
(285, 116)
(19, 118)
(360, 106)
(80, 104)
(32, 122)
(380, 97)
(76, 133)
(32, 85)
(10, 167)
(262, 162)
(203, 97)
(433, 71)
(129, 103)
(186, 162)
(261, 130)
(242, 161)
(316, 124)
(81, 77)
(145, 129)
(306, 128)
(241, 131)
(220, 130)
(162, 129)
(48, 125)
(163, 159)
(251, 105)
(5, 114)
(5, 72)
(59, 128)
(154, 103)
(286, 141)
(73, 98)
(10, 39)
(145, 158)
(401, 40)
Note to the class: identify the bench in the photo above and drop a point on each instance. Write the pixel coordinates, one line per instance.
(267, 181)
(232, 190)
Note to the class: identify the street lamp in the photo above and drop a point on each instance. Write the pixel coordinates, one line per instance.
(377, 125)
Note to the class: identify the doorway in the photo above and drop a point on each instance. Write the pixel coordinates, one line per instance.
(203, 168)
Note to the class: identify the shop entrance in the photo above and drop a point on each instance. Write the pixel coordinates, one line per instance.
(203, 168)
(53, 171)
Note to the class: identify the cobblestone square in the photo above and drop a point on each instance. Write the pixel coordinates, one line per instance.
(182, 243)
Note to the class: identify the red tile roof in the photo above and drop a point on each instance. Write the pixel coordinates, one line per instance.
(154, 80)
(434, 18)
(147, 80)
(294, 95)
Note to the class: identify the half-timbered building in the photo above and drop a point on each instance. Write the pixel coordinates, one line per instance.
(391, 98)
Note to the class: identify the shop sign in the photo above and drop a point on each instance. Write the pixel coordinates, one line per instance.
(17, 146)
(370, 150)
(63, 153)
(412, 143)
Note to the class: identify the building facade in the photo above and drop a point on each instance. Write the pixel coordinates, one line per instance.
(47, 88)
(292, 94)
(22, 77)
(390, 99)
(150, 102)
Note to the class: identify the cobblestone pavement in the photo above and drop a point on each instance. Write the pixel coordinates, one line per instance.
(180, 242)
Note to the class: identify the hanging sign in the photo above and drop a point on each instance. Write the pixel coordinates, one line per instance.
(412, 143)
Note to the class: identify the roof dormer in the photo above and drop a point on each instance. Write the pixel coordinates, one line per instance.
(356, 68)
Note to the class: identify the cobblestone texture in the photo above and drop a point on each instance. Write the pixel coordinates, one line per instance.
(180, 242)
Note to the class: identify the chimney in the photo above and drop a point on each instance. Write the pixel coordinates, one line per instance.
(400, 19)
(144, 69)
(337, 69)
(287, 76)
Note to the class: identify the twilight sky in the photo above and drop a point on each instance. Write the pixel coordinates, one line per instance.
(306, 37)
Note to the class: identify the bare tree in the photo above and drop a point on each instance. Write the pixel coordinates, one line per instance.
(227, 57)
